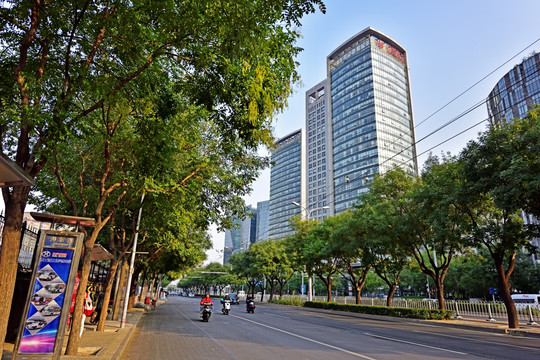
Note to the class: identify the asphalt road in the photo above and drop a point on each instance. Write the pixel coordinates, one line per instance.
(175, 331)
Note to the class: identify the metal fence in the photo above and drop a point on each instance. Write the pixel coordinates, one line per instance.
(489, 311)
(29, 239)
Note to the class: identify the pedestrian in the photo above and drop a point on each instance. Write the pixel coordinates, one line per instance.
(87, 307)
(97, 310)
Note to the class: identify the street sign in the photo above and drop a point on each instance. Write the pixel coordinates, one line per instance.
(493, 291)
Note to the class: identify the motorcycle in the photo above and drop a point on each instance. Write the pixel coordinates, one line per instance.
(226, 306)
(250, 306)
(206, 312)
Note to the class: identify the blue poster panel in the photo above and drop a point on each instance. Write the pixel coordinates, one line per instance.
(47, 300)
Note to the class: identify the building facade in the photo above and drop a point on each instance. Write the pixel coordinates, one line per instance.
(262, 220)
(359, 121)
(287, 181)
(319, 153)
(240, 237)
(516, 92)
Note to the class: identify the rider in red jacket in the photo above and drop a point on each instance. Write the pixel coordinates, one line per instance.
(206, 300)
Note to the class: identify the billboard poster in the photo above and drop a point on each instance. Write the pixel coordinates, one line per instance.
(48, 303)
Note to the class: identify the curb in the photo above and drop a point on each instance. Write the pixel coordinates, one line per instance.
(127, 337)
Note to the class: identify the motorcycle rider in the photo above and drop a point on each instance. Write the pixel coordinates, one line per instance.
(206, 300)
(249, 298)
(225, 299)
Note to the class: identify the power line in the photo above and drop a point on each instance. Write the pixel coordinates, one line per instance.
(469, 110)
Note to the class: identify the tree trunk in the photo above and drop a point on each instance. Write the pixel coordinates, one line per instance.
(358, 293)
(328, 282)
(440, 292)
(391, 291)
(105, 307)
(72, 347)
(133, 289)
(9, 254)
(272, 290)
(504, 292)
(121, 293)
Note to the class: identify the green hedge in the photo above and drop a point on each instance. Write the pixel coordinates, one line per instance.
(425, 314)
(292, 300)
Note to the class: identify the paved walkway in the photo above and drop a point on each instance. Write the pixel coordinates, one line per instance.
(98, 345)
(109, 344)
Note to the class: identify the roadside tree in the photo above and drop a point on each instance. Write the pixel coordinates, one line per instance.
(63, 61)
(502, 172)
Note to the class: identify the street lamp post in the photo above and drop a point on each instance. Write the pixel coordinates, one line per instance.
(310, 280)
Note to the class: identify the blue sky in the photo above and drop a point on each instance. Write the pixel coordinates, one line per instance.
(451, 45)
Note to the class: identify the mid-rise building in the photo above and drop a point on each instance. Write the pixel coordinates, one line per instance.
(287, 181)
(516, 92)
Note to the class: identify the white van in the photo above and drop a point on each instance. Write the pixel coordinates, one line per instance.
(522, 300)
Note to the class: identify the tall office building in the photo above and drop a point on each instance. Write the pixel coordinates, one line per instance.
(319, 152)
(287, 181)
(262, 220)
(516, 92)
(365, 123)
(241, 236)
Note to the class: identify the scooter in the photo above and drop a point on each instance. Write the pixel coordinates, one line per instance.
(226, 307)
(206, 312)
(250, 306)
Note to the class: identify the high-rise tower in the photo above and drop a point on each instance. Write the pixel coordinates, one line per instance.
(516, 92)
(287, 182)
(370, 110)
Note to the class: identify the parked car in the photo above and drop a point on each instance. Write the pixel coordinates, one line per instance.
(234, 299)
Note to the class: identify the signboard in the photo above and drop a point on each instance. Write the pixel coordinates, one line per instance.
(47, 306)
(493, 291)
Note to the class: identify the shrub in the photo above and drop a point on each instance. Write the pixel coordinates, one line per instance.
(425, 314)
(292, 300)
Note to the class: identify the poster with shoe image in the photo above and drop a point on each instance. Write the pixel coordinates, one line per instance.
(54, 276)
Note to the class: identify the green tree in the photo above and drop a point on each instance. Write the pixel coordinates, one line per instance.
(501, 172)
(442, 228)
(350, 246)
(382, 217)
(273, 262)
(63, 61)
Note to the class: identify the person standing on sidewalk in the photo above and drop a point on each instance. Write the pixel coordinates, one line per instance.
(88, 307)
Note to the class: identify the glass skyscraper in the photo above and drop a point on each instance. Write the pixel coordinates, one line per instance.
(286, 183)
(516, 92)
(370, 111)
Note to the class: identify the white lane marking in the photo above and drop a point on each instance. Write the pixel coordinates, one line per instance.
(413, 343)
(307, 339)
(482, 341)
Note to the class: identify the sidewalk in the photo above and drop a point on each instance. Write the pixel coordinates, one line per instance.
(99, 345)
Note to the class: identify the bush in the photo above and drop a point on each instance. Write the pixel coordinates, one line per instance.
(425, 314)
(292, 300)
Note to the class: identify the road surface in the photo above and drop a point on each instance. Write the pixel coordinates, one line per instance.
(175, 331)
